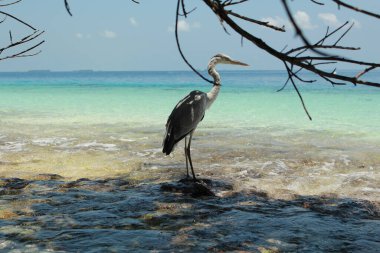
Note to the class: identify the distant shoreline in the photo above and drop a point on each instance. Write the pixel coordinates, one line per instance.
(48, 71)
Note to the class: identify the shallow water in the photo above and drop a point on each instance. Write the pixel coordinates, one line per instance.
(295, 185)
(115, 215)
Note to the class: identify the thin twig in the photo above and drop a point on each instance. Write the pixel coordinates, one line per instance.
(179, 46)
(17, 19)
(357, 9)
(365, 72)
(266, 24)
(67, 6)
(298, 92)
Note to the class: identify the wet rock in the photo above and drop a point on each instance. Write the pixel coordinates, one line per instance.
(342, 207)
(75, 183)
(12, 186)
(103, 185)
(116, 182)
(47, 176)
(7, 214)
(200, 188)
(13, 183)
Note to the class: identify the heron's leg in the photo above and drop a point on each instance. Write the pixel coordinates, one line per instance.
(189, 156)
(187, 163)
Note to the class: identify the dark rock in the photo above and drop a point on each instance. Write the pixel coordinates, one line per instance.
(75, 183)
(186, 186)
(13, 183)
(47, 176)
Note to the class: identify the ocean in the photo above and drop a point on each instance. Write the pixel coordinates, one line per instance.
(102, 125)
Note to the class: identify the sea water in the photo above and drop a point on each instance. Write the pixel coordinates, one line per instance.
(95, 124)
(102, 125)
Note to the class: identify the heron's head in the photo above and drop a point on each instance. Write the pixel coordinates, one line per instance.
(224, 59)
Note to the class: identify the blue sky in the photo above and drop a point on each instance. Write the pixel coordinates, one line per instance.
(121, 35)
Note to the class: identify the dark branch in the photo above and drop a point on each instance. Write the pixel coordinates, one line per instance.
(179, 46)
(266, 24)
(304, 62)
(290, 77)
(12, 3)
(67, 6)
(23, 47)
(357, 9)
(17, 19)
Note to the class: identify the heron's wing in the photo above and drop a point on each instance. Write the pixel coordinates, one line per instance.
(184, 118)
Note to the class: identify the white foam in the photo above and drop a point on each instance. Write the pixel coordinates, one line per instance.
(13, 146)
(281, 165)
(127, 140)
(328, 166)
(43, 142)
(370, 189)
(345, 160)
(266, 164)
(98, 146)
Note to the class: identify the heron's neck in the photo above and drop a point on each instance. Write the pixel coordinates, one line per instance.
(213, 93)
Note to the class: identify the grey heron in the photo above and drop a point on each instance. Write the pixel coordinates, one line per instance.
(190, 110)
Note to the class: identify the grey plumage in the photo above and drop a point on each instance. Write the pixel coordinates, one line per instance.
(177, 127)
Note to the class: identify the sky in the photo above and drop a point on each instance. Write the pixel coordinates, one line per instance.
(123, 36)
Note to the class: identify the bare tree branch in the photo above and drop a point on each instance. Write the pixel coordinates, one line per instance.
(23, 47)
(179, 46)
(357, 9)
(266, 24)
(11, 3)
(17, 19)
(290, 77)
(305, 62)
(67, 6)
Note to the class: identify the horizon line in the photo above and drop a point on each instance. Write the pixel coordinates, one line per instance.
(91, 70)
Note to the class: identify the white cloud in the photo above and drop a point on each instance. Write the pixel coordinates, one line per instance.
(82, 36)
(303, 20)
(184, 26)
(133, 21)
(108, 34)
(329, 19)
(277, 21)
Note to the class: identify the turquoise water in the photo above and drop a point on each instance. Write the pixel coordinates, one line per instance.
(248, 99)
(81, 124)
(85, 149)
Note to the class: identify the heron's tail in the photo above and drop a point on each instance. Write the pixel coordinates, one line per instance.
(168, 143)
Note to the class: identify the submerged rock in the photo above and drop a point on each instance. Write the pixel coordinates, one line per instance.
(48, 176)
(9, 186)
(13, 183)
(76, 183)
(12, 186)
(200, 188)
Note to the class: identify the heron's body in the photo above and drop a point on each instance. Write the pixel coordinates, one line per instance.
(178, 127)
(189, 111)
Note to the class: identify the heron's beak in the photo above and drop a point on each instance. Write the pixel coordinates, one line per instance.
(238, 63)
